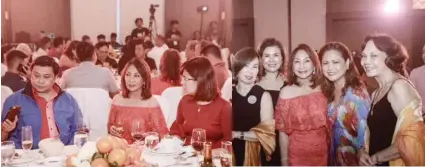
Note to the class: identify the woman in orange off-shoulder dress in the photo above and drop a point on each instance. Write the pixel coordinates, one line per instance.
(301, 112)
(135, 103)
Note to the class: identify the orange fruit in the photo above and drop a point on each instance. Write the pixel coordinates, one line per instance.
(117, 155)
(104, 145)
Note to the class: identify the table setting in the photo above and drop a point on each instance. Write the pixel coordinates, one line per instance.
(108, 151)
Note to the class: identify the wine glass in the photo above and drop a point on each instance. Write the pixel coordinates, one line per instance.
(151, 140)
(226, 153)
(26, 137)
(199, 137)
(137, 129)
(7, 152)
(119, 125)
(80, 138)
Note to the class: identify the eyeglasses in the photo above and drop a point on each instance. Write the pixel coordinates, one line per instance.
(188, 79)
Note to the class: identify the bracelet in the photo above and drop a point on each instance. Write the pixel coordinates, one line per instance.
(242, 136)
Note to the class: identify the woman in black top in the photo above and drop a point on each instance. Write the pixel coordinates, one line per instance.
(272, 79)
(273, 62)
(252, 109)
(384, 59)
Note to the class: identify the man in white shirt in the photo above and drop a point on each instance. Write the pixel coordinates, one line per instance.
(417, 76)
(158, 50)
(87, 74)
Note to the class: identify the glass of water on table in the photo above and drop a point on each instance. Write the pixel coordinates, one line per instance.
(151, 140)
(80, 138)
(226, 153)
(7, 152)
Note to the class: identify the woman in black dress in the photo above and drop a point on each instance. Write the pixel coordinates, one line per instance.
(253, 124)
(395, 111)
(272, 80)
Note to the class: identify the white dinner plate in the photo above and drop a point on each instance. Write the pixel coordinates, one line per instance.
(157, 153)
(25, 158)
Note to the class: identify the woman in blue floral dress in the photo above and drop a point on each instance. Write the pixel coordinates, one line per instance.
(348, 107)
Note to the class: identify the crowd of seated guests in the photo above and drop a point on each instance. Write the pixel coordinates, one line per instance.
(39, 80)
(312, 109)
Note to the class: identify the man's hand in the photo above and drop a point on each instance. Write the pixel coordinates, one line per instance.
(8, 126)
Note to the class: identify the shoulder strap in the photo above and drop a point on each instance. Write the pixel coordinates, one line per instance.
(408, 81)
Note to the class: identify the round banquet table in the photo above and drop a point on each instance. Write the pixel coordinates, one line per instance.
(37, 159)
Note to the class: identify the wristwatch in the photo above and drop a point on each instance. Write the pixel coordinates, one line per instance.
(242, 136)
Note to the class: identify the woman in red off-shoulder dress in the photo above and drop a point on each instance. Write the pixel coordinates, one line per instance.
(135, 103)
(301, 112)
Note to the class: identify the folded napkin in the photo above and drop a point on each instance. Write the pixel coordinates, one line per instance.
(170, 145)
(51, 147)
(84, 155)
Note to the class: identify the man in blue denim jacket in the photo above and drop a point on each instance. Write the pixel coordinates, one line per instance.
(51, 112)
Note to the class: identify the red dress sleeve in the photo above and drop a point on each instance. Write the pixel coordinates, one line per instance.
(177, 126)
(226, 124)
(112, 117)
(158, 122)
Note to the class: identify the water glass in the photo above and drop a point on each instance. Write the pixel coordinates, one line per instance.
(80, 138)
(151, 140)
(7, 151)
(226, 153)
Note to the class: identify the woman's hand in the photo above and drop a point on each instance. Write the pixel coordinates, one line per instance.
(8, 126)
(236, 135)
(365, 159)
(115, 131)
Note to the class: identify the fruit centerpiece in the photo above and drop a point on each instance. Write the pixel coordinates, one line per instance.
(108, 151)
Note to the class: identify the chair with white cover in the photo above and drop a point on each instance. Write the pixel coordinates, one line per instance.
(5, 92)
(95, 106)
(165, 107)
(226, 90)
(173, 95)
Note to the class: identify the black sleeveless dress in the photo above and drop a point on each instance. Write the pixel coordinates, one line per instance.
(246, 115)
(381, 126)
(275, 161)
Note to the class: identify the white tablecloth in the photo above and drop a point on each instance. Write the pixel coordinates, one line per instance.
(38, 159)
